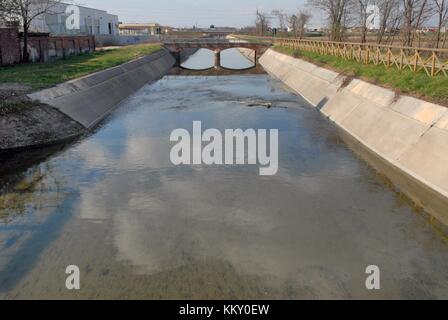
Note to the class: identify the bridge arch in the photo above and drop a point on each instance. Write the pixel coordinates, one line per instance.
(176, 46)
(202, 61)
(250, 56)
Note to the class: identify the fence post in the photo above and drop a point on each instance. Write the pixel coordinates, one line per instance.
(401, 58)
(367, 55)
(415, 61)
(433, 64)
(388, 57)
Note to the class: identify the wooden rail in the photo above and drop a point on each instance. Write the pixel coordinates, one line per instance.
(432, 61)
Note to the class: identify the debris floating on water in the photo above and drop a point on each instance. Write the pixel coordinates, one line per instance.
(260, 104)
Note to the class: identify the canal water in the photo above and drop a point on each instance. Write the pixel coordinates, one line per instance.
(139, 227)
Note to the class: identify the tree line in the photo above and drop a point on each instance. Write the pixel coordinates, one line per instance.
(382, 21)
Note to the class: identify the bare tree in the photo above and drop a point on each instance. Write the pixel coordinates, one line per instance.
(261, 23)
(338, 14)
(26, 11)
(390, 17)
(415, 13)
(298, 23)
(5, 13)
(2, 13)
(294, 24)
(361, 11)
(441, 10)
(302, 20)
(282, 18)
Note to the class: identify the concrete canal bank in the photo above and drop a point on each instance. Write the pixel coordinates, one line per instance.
(89, 99)
(402, 137)
(69, 109)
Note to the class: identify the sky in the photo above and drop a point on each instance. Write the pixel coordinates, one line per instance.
(203, 13)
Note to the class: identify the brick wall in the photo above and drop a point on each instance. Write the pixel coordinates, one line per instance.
(37, 47)
(49, 48)
(9, 46)
(41, 46)
(64, 46)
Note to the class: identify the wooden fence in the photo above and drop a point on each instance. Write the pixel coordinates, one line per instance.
(432, 61)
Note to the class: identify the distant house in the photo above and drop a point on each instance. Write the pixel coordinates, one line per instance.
(435, 29)
(139, 29)
(89, 21)
(314, 28)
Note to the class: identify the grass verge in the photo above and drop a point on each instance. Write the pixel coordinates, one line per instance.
(42, 75)
(419, 85)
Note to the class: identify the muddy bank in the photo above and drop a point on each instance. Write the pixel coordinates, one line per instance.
(27, 124)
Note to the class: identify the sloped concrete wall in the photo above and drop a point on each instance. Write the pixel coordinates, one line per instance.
(89, 99)
(248, 53)
(319, 84)
(403, 137)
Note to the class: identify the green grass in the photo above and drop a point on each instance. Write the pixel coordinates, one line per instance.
(403, 81)
(42, 75)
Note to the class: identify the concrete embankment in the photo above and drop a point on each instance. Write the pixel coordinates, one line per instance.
(89, 99)
(402, 137)
(69, 109)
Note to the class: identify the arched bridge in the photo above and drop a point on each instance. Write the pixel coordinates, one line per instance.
(175, 46)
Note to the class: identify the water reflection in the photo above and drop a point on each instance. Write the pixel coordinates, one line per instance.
(230, 58)
(139, 227)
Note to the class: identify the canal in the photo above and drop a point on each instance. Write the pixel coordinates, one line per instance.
(137, 226)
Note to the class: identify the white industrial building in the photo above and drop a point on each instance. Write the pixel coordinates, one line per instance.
(68, 19)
